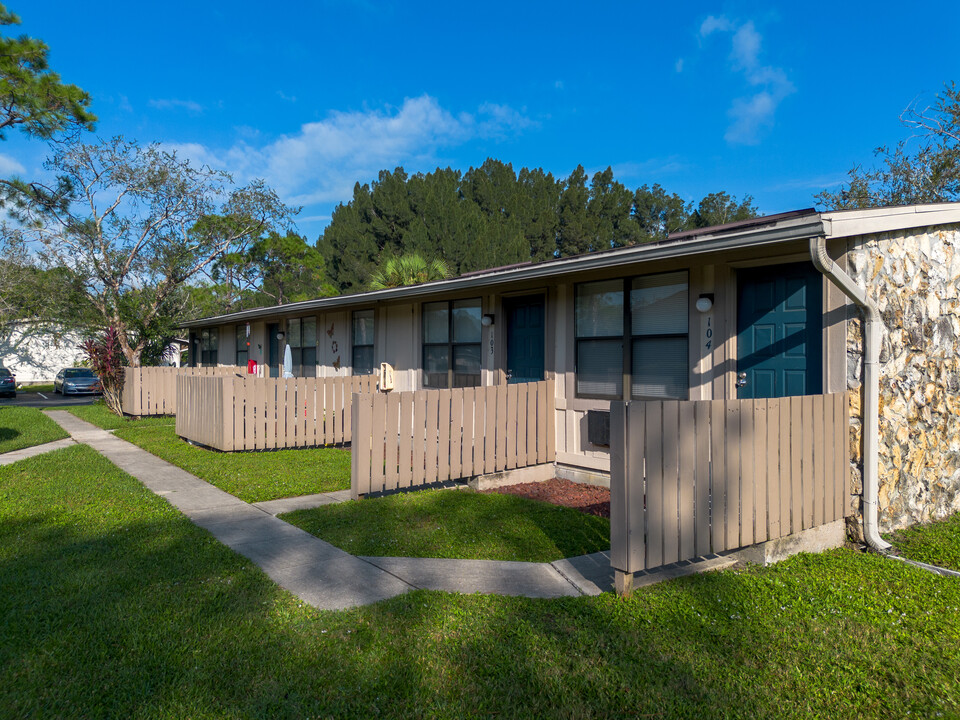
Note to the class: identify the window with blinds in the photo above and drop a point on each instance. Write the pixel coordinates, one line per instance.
(243, 348)
(362, 342)
(302, 339)
(451, 343)
(209, 347)
(643, 341)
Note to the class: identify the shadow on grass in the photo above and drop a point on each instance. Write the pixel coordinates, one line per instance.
(114, 605)
(456, 523)
(7, 433)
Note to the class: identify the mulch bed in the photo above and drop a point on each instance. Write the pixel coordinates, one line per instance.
(589, 499)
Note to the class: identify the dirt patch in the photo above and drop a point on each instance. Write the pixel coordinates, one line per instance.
(589, 499)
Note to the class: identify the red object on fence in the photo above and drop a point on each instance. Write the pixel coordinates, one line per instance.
(251, 367)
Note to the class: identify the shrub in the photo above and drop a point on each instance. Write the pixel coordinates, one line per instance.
(108, 361)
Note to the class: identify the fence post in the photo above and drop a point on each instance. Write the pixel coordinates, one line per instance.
(619, 500)
(226, 438)
(360, 445)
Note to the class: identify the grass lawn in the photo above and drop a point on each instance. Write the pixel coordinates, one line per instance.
(114, 605)
(250, 476)
(456, 524)
(22, 427)
(98, 414)
(937, 543)
(44, 388)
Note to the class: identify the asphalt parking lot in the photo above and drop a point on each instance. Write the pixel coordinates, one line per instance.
(46, 400)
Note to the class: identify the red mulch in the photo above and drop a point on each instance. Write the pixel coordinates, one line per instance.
(589, 499)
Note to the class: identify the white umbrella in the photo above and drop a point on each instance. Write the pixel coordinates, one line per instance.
(287, 362)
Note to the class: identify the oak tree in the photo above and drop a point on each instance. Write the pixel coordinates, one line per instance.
(134, 224)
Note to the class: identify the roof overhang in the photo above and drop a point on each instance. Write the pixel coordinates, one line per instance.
(851, 223)
(758, 232)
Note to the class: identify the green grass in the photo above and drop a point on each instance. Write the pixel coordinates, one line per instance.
(115, 606)
(98, 414)
(250, 476)
(44, 388)
(22, 427)
(456, 524)
(937, 543)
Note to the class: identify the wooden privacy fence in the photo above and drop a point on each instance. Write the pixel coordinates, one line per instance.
(409, 439)
(691, 478)
(153, 390)
(251, 413)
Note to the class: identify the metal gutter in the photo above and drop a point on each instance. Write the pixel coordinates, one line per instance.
(872, 334)
(794, 229)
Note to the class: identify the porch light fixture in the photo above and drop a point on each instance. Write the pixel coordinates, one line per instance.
(705, 302)
(280, 335)
(487, 320)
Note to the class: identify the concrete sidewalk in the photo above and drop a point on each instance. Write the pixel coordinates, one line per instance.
(316, 571)
(13, 456)
(310, 568)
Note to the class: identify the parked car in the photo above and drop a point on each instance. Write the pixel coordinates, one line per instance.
(76, 381)
(8, 383)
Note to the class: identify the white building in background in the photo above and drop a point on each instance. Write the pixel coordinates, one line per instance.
(35, 355)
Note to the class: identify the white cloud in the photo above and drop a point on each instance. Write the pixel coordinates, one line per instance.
(746, 47)
(283, 96)
(175, 104)
(750, 115)
(654, 167)
(713, 24)
(679, 65)
(321, 162)
(9, 166)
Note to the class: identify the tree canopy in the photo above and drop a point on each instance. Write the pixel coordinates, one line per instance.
(133, 225)
(491, 216)
(272, 269)
(32, 97)
(925, 168)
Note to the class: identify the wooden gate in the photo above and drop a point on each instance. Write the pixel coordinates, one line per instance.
(691, 478)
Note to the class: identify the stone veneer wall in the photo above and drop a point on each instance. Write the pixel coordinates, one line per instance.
(914, 277)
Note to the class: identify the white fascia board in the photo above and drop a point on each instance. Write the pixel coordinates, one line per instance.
(850, 223)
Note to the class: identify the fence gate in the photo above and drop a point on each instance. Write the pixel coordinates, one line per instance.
(692, 478)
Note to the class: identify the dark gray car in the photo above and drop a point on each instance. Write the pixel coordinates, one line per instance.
(8, 383)
(76, 381)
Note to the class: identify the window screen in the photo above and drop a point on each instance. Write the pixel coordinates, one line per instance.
(363, 342)
(659, 312)
(599, 329)
(647, 340)
(451, 343)
(209, 346)
(243, 350)
(302, 339)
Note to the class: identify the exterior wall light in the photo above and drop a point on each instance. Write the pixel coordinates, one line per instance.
(487, 320)
(280, 335)
(705, 302)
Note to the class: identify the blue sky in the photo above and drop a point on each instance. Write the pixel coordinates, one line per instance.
(773, 100)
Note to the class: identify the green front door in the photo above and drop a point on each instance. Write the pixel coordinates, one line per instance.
(525, 338)
(779, 331)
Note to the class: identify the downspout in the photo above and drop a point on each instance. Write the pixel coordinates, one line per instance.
(872, 334)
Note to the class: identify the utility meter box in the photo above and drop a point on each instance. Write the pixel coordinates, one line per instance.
(386, 377)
